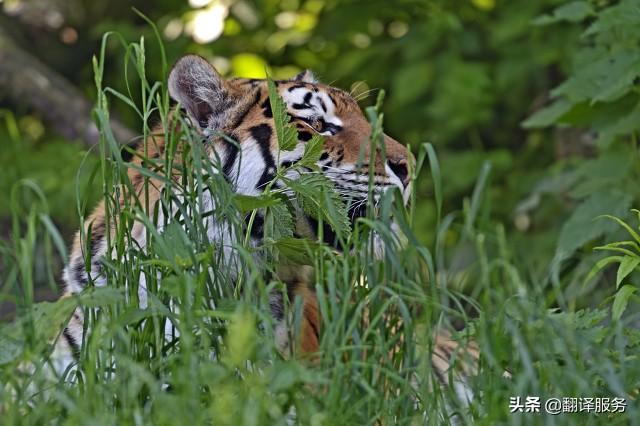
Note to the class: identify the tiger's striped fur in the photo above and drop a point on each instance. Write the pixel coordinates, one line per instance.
(241, 109)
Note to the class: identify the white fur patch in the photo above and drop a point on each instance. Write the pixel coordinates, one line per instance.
(314, 109)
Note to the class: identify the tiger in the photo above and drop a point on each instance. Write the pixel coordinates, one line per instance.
(241, 108)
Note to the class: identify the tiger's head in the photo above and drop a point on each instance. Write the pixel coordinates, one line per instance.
(241, 109)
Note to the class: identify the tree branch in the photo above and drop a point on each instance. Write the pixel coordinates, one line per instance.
(25, 80)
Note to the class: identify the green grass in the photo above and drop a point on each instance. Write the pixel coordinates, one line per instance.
(378, 315)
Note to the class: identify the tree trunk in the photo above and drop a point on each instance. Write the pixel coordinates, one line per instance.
(25, 80)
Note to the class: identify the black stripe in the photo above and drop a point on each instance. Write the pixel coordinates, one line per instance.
(355, 213)
(129, 150)
(333, 101)
(96, 264)
(342, 178)
(262, 134)
(447, 352)
(291, 293)
(75, 346)
(266, 108)
(301, 106)
(438, 375)
(79, 272)
(265, 178)
(323, 105)
(289, 163)
(328, 234)
(328, 127)
(304, 136)
(276, 305)
(296, 86)
(257, 229)
(333, 128)
(232, 153)
(306, 102)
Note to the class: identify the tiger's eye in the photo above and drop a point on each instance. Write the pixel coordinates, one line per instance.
(317, 125)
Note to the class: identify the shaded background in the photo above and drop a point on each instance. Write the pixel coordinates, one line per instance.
(461, 74)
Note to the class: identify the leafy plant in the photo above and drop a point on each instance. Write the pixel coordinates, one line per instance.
(596, 101)
(628, 260)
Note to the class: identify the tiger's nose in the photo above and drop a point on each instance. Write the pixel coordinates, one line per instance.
(400, 168)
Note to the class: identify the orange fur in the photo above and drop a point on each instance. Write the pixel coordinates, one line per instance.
(310, 325)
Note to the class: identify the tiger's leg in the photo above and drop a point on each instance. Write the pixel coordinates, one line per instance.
(309, 332)
(453, 364)
(308, 341)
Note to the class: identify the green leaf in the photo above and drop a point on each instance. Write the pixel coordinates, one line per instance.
(173, 243)
(55, 236)
(600, 265)
(621, 301)
(620, 20)
(608, 170)
(620, 125)
(11, 344)
(298, 250)
(247, 203)
(627, 265)
(278, 222)
(575, 11)
(607, 76)
(437, 178)
(100, 296)
(548, 115)
(581, 227)
(477, 196)
(286, 133)
(318, 198)
(312, 151)
(619, 245)
(624, 224)
(241, 338)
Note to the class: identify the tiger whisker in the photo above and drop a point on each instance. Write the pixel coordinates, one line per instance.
(365, 94)
(355, 87)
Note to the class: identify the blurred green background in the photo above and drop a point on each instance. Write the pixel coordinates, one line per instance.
(461, 74)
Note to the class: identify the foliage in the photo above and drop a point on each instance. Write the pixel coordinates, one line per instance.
(532, 108)
(598, 98)
(26, 156)
(628, 260)
(286, 131)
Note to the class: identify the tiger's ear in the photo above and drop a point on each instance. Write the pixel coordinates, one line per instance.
(196, 84)
(306, 76)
